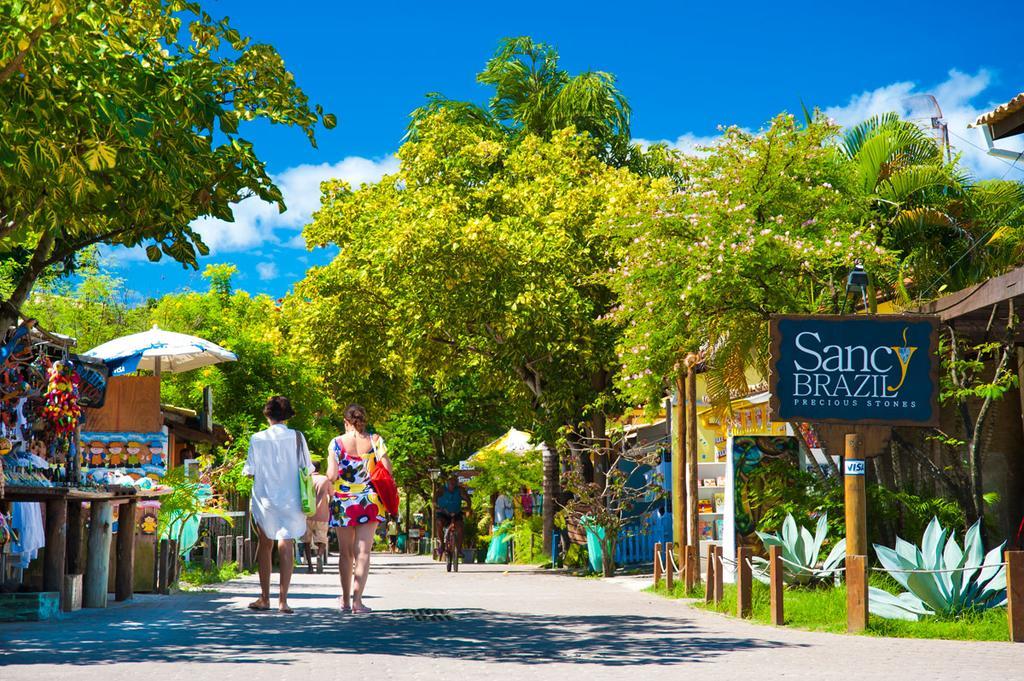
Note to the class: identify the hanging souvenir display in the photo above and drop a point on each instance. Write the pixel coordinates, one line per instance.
(41, 407)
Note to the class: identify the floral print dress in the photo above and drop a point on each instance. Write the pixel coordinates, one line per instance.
(355, 501)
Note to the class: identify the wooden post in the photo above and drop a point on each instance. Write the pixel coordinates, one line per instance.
(124, 573)
(693, 538)
(719, 591)
(172, 563)
(240, 551)
(679, 464)
(856, 497)
(775, 585)
(691, 568)
(97, 570)
(744, 577)
(709, 582)
(670, 577)
(856, 593)
(162, 566)
(73, 551)
(657, 564)
(56, 544)
(221, 551)
(1015, 594)
(249, 559)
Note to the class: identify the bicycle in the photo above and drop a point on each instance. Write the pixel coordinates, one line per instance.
(449, 547)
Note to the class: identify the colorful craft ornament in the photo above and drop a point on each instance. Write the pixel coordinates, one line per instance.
(62, 409)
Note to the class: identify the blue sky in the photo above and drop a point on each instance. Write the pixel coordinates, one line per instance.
(685, 67)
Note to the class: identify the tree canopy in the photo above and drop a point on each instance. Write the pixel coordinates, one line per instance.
(122, 126)
(480, 255)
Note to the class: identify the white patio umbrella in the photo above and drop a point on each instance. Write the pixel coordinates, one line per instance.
(160, 350)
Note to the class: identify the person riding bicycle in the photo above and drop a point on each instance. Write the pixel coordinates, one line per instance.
(449, 505)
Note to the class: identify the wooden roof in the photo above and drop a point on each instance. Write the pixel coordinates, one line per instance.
(976, 309)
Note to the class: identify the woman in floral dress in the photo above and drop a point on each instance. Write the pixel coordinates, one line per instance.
(355, 509)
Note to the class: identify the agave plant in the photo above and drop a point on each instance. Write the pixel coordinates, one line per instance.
(800, 553)
(965, 580)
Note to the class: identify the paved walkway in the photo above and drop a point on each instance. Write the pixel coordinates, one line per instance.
(518, 624)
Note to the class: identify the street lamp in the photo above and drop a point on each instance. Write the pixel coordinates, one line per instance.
(858, 281)
(434, 474)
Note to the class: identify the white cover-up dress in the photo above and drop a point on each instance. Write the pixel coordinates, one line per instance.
(274, 466)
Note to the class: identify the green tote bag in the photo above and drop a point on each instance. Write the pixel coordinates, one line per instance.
(307, 491)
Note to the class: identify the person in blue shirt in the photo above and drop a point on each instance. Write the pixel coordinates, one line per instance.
(450, 503)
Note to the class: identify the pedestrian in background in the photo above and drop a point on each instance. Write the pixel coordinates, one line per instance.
(275, 455)
(318, 524)
(356, 509)
(393, 534)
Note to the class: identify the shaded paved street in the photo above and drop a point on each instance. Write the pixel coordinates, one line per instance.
(520, 624)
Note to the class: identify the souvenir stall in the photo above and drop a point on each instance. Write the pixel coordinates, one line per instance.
(731, 448)
(44, 388)
(133, 438)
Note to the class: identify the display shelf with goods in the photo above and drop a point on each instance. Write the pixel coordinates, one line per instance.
(719, 502)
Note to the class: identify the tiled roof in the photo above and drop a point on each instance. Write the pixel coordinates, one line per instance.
(1000, 112)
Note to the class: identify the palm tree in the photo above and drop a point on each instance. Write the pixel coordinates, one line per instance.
(532, 95)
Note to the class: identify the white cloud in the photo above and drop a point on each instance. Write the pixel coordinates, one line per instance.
(960, 97)
(257, 222)
(266, 271)
(688, 143)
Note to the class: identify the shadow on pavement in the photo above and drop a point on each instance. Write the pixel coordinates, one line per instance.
(199, 628)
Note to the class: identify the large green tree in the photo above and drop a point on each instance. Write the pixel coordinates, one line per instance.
(480, 256)
(122, 125)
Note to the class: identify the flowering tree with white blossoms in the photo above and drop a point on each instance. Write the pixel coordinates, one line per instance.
(766, 223)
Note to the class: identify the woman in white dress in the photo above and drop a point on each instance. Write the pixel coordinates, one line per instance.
(275, 455)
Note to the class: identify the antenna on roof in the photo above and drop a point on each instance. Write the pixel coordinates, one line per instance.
(924, 111)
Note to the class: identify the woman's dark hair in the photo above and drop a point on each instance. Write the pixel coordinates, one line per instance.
(278, 408)
(356, 415)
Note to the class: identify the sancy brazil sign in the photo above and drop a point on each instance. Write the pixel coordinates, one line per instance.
(855, 369)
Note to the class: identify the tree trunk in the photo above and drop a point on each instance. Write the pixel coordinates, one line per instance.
(608, 553)
(551, 489)
(28, 278)
(599, 430)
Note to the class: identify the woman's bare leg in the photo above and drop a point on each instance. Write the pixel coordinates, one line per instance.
(286, 556)
(346, 550)
(264, 562)
(363, 546)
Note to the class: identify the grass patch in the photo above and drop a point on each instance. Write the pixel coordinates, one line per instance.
(824, 609)
(198, 576)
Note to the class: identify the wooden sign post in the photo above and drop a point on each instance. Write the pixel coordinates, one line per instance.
(856, 370)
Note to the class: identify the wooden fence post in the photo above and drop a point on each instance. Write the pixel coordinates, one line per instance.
(744, 593)
(657, 564)
(775, 584)
(124, 574)
(670, 567)
(248, 554)
(163, 566)
(691, 566)
(718, 574)
(97, 565)
(240, 552)
(709, 582)
(56, 544)
(1015, 594)
(856, 593)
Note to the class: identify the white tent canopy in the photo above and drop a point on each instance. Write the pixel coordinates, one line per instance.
(160, 350)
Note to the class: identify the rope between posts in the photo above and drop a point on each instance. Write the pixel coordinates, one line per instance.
(761, 571)
(879, 569)
(817, 571)
(941, 572)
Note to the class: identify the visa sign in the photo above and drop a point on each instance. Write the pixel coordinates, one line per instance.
(855, 369)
